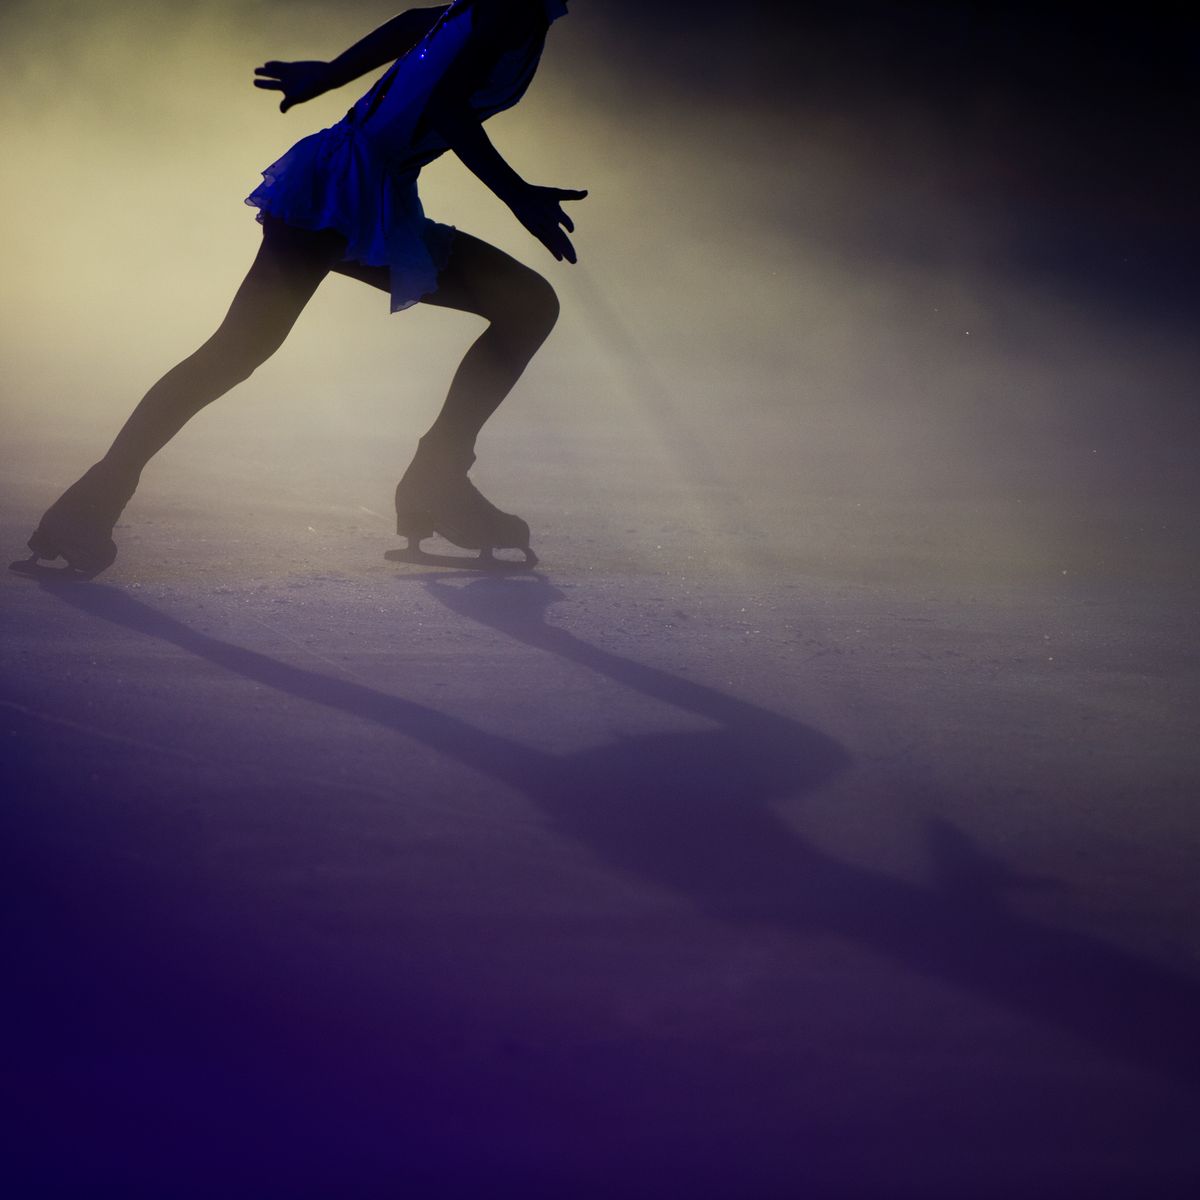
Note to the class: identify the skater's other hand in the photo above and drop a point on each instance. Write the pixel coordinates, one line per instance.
(539, 209)
(298, 81)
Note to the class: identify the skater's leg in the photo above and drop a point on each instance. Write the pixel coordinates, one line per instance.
(288, 268)
(520, 308)
(286, 272)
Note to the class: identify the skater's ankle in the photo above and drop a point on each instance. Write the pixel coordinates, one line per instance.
(118, 468)
(454, 451)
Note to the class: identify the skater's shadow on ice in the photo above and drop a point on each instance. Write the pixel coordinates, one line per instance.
(754, 754)
(687, 812)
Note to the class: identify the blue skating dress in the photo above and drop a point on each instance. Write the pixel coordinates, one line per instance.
(359, 177)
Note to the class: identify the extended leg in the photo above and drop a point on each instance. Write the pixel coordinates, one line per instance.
(289, 266)
(286, 272)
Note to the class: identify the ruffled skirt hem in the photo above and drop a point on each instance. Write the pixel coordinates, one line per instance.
(330, 181)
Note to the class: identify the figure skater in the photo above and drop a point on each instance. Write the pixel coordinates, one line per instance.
(345, 200)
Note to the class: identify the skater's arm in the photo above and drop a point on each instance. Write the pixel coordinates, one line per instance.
(498, 30)
(539, 209)
(390, 41)
(300, 81)
(468, 139)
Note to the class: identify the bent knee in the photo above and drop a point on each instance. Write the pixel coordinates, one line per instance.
(543, 303)
(532, 307)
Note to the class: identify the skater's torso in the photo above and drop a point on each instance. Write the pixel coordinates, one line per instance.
(478, 55)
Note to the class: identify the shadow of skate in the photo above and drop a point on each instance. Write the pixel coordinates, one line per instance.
(688, 812)
(782, 749)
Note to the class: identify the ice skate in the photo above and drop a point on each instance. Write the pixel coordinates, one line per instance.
(435, 496)
(78, 526)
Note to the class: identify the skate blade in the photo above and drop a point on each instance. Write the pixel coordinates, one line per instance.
(85, 560)
(34, 568)
(485, 562)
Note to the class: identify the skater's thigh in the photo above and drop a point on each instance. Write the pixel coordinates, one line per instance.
(288, 269)
(479, 278)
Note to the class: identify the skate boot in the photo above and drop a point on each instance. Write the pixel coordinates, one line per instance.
(435, 496)
(78, 526)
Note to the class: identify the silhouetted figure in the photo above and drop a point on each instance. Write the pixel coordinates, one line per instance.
(345, 200)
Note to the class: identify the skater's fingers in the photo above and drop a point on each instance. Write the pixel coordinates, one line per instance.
(566, 222)
(556, 242)
(270, 85)
(570, 193)
(564, 247)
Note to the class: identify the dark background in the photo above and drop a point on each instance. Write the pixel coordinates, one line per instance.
(1074, 119)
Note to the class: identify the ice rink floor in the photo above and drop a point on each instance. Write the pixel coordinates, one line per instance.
(763, 842)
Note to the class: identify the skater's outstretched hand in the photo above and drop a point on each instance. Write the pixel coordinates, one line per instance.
(298, 81)
(539, 209)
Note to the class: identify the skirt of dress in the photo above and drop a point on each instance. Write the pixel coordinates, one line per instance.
(330, 180)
